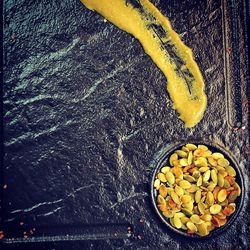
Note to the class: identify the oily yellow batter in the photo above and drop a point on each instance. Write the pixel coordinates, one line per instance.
(145, 22)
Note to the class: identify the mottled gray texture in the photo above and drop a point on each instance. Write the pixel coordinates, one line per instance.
(86, 112)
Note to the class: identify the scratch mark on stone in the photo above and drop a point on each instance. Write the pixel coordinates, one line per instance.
(37, 62)
(130, 196)
(51, 212)
(92, 89)
(36, 206)
(46, 203)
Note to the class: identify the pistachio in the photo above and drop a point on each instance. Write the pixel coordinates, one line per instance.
(185, 149)
(179, 173)
(172, 158)
(226, 183)
(163, 191)
(212, 161)
(197, 196)
(190, 158)
(170, 189)
(196, 210)
(162, 177)
(206, 217)
(164, 170)
(230, 170)
(222, 195)
(162, 207)
(191, 226)
(183, 162)
(199, 181)
(205, 148)
(179, 191)
(189, 178)
(231, 180)
(214, 176)
(206, 175)
(181, 153)
(211, 186)
(177, 222)
(184, 184)
(189, 205)
(203, 169)
(195, 219)
(220, 180)
(232, 196)
(203, 198)
(172, 221)
(161, 200)
(196, 174)
(186, 211)
(223, 172)
(179, 215)
(184, 219)
(223, 162)
(170, 177)
(168, 214)
(201, 207)
(176, 162)
(207, 153)
(215, 192)
(175, 197)
(230, 209)
(237, 188)
(217, 156)
(201, 162)
(186, 198)
(210, 198)
(202, 229)
(224, 203)
(191, 147)
(193, 188)
(198, 152)
(157, 183)
(215, 209)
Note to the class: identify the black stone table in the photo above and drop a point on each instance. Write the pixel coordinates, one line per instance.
(87, 115)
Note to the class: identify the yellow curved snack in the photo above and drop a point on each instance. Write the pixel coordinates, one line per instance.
(145, 22)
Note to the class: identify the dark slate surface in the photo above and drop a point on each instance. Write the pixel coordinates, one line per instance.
(86, 114)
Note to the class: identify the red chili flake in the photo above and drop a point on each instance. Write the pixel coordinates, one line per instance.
(5, 186)
(235, 129)
(21, 223)
(1, 235)
(229, 51)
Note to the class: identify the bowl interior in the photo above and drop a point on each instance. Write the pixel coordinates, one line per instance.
(239, 179)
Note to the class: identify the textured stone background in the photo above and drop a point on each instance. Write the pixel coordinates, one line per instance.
(86, 114)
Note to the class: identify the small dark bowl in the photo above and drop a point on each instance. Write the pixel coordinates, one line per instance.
(239, 179)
